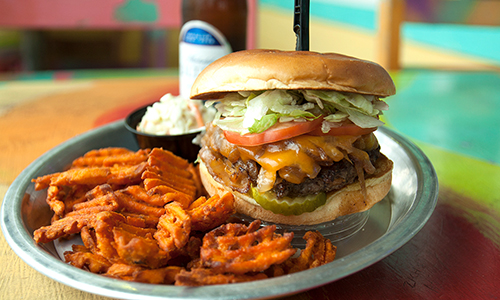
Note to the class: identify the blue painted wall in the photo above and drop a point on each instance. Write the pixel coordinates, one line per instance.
(480, 41)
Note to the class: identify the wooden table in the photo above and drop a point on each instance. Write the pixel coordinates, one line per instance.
(451, 116)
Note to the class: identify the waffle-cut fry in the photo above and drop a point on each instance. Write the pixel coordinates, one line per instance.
(109, 235)
(173, 179)
(82, 258)
(101, 235)
(162, 168)
(162, 157)
(137, 230)
(88, 176)
(238, 249)
(93, 176)
(195, 171)
(139, 193)
(122, 271)
(98, 191)
(141, 220)
(106, 152)
(109, 157)
(128, 203)
(200, 277)
(206, 214)
(152, 180)
(61, 228)
(89, 239)
(55, 199)
(159, 173)
(76, 194)
(168, 174)
(62, 199)
(318, 251)
(169, 195)
(138, 250)
(164, 275)
(158, 197)
(126, 175)
(174, 228)
(324, 252)
(106, 202)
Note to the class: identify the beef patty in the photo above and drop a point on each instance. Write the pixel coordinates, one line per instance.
(329, 179)
(240, 175)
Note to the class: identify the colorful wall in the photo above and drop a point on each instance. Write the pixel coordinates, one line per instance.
(350, 27)
(345, 26)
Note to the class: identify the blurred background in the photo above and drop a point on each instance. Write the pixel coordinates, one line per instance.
(69, 66)
(124, 34)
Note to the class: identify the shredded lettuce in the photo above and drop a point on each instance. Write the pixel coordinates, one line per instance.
(254, 112)
(362, 110)
(264, 123)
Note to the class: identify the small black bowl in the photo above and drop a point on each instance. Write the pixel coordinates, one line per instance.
(181, 145)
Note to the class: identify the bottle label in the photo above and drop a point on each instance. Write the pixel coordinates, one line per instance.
(199, 45)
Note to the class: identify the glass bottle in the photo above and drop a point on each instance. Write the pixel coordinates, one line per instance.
(211, 29)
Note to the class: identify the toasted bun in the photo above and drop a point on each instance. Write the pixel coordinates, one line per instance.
(254, 70)
(346, 201)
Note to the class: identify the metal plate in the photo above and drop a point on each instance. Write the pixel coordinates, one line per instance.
(391, 223)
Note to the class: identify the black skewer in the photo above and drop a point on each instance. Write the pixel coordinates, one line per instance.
(301, 25)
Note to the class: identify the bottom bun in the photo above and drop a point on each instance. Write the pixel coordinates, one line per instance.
(347, 200)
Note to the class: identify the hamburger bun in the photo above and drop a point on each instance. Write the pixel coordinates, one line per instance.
(260, 142)
(348, 200)
(291, 70)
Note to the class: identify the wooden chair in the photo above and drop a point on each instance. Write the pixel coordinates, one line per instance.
(393, 13)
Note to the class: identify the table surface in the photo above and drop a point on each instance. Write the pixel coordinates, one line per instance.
(451, 116)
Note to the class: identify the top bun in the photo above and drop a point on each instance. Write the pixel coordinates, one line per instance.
(254, 70)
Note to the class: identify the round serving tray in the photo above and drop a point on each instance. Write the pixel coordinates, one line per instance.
(391, 223)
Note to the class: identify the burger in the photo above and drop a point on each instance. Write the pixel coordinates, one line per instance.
(293, 138)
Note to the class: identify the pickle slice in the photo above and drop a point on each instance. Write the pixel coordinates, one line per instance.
(288, 206)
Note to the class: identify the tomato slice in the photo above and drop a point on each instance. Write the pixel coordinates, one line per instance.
(282, 131)
(347, 128)
(277, 132)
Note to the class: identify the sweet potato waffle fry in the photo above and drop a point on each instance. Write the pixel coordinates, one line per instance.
(200, 277)
(164, 275)
(144, 216)
(166, 169)
(238, 249)
(319, 251)
(109, 157)
(174, 228)
(62, 199)
(140, 220)
(83, 176)
(209, 213)
(100, 198)
(130, 204)
(82, 258)
(61, 228)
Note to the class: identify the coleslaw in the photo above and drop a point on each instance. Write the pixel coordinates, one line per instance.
(174, 115)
